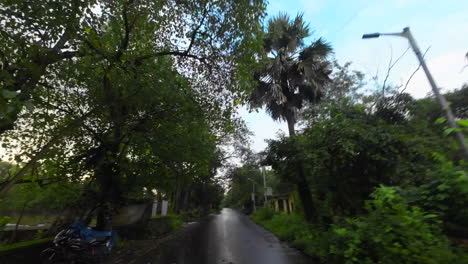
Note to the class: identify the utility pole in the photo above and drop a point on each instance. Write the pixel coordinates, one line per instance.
(440, 97)
(264, 186)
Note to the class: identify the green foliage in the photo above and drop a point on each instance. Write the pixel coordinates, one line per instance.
(94, 98)
(445, 194)
(463, 123)
(25, 244)
(429, 109)
(53, 196)
(263, 214)
(288, 227)
(3, 221)
(295, 73)
(391, 232)
(121, 243)
(39, 234)
(348, 150)
(175, 222)
(240, 189)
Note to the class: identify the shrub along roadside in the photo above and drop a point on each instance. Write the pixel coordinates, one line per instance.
(390, 232)
(3, 221)
(23, 244)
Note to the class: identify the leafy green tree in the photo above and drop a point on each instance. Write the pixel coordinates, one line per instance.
(5, 170)
(35, 36)
(349, 149)
(152, 79)
(240, 187)
(428, 108)
(345, 83)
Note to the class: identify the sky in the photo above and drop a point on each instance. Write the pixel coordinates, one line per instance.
(441, 26)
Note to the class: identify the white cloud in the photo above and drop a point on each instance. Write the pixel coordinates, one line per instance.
(446, 70)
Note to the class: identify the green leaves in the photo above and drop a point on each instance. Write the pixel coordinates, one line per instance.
(8, 94)
(3, 221)
(153, 115)
(440, 120)
(451, 130)
(463, 123)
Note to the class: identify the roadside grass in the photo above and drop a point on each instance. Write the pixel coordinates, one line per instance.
(24, 244)
(391, 233)
(31, 220)
(175, 222)
(292, 228)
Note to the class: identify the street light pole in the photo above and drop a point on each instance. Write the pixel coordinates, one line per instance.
(440, 97)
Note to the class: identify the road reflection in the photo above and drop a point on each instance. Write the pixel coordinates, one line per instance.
(229, 237)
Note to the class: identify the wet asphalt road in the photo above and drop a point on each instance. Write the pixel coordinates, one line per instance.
(226, 238)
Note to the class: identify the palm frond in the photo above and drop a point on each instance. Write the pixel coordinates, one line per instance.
(284, 33)
(319, 49)
(289, 81)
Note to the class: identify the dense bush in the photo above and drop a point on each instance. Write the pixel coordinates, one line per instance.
(33, 195)
(175, 222)
(347, 151)
(391, 232)
(3, 221)
(263, 214)
(289, 227)
(446, 194)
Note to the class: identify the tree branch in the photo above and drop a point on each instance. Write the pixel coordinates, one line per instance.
(18, 175)
(414, 72)
(172, 53)
(41, 182)
(196, 30)
(390, 67)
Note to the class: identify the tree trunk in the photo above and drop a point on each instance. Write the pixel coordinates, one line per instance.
(13, 236)
(301, 181)
(107, 172)
(186, 200)
(304, 193)
(291, 123)
(110, 194)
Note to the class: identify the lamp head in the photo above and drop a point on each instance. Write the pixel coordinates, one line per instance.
(372, 35)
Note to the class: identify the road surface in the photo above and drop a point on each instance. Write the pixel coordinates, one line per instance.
(226, 238)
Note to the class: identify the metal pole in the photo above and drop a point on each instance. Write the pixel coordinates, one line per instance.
(253, 196)
(440, 97)
(264, 185)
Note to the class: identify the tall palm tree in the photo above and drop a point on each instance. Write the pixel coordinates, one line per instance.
(293, 74)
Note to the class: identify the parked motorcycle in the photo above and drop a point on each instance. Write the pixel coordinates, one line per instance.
(79, 244)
